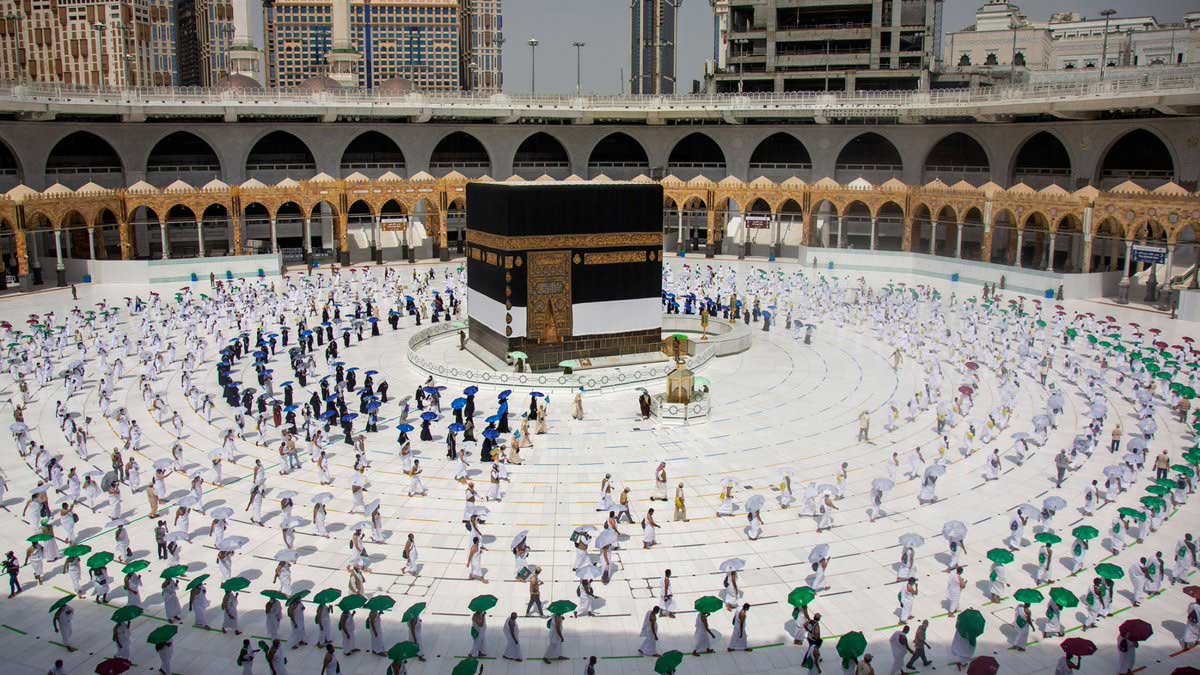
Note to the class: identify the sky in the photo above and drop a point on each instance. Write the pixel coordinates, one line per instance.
(604, 26)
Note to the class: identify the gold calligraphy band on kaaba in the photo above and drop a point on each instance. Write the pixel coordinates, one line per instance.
(563, 241)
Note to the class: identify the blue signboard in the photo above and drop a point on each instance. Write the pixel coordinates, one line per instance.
(1155, 255)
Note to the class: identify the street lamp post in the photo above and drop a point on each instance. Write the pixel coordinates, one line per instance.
(1104, 49)
(99, 28)
(533, 43)
(578, 60)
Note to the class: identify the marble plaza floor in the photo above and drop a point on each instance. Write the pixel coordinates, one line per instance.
(780, 405)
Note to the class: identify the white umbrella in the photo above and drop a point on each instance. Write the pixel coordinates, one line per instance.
(44, 487)
(1114, 471)
(94, 473)
(195, 471)
(1027, 509)
(480, 510)
(1022, 436)
(361, 525)
(163, 463)
(322, 498)
(883, 484)
(755, 503)
(588, 573)
(935, 470)
(116, 523)
(176, 536)
(359, 480)
(607, 538)
(292, 523)
(1054, 503)
(188, 501)
(826, 487)
(1131, 459)
(954, 530)
(912, 539)
(726, 482)
(287, 494)
(371, 507)
(521, 536)
(287, 555)
(586, 529)
(232, 543)
(733, 565)
(1041, 421)
(18, 427)
(819, 553)
(221, 513)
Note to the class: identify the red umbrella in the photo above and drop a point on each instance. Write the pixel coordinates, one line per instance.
(966, 390)
(1160, 344)
(1058, 307)
(983, 665)
(31, 321)
(1136, 630)
(971, 365)
(1091, 314)
(1110, 319)
(113, 666)
(1135, 325)
(1193, 591)
(1078, 646)
(1186, 670)
(1156, 331)
(5, 324)
(1187, 339)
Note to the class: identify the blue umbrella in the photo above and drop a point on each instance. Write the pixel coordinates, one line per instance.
(328, 414)
(235, 385)
(504, 394)
(305, 333)
(493, 419)
(352, 370)
(373, 319)
(404, 427)
(349, 417)
(429, 416)
(491, 434)
(331, 398)
(408, 298)
(456, 428)
(471, 390)
(373, 406)
(326, 323)
(372, 372)
(458, 403)
(271, 335)
(291, 408)
(286, 384)
(536, 394)
(267, 371)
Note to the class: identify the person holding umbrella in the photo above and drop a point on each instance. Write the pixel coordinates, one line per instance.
(63, 613)
(555, 645)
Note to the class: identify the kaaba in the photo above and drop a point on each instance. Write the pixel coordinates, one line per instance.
(564, 271)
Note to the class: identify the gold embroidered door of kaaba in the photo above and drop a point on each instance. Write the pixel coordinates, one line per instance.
(548, 306)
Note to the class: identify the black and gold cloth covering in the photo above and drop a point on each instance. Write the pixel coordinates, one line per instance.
(564, 271)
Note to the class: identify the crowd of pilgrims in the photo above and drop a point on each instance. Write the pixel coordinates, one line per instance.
(254, 327)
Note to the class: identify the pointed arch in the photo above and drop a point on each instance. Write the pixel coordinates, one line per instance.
(541, 153)
(373, 153)
(1042, 160)
(279, 155)
(696, 154)
(82, 156)
(870, 156)
(460, 151)
(182, 155)
(618, 155)
(957, 156)
(1139, 155)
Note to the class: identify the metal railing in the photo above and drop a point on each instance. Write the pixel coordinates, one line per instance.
(1051, 88)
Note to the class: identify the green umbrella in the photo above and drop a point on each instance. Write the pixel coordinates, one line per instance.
(39, 538)
(135, 567)
(61, 601)
(519, 355)
(352, 602)
(1047, 538)
(1000, 556)
(851, 646)
(77, 551)
(173, 572)
(1028, 595)
(1109, 571)
(708, 604)
(668, 662)
(1131, 513)
(482, 603)
(327, 596)
(801, 596)
(273, 594)
(1120, 349)
(297, 597)
(970, 625)
(466, 667)
(1041, 324)
(1064, 598)
(699, 381)
(380, 603)
(162, 635)
(197, 581)
(679, 336)
(569, 363)
(1185, 470)
(1158, 490)
(413, 612)
(1192, 457)
(236, 584)
(99, 560)
(403, 651)
(561, 607)
(1155, 503)
(126, 613)
(1085, 532)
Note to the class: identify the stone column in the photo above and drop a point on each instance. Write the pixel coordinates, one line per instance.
(958, 242)
(307, 244)
(841, 232)
(24, 279)
(377, 239)
(125, 232)
(92, 243)
(274, 237)
(200, 236)
(1087, 255)
(235, 223)
(710, 246)
(60, 269)
(986, 254)
(906, 244)
(680, 245)
(1050, 253)
(874, 225)
(443, 238)
(1020, 243)
(166, 244)
(777, 238)
(933, 224)
(1123, 285)
(374, 240)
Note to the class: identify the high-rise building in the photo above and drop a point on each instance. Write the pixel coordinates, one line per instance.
(815, 45)
(480, 38)
(111, 43)
(203, 37)
(406, 41)
(653, 28)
